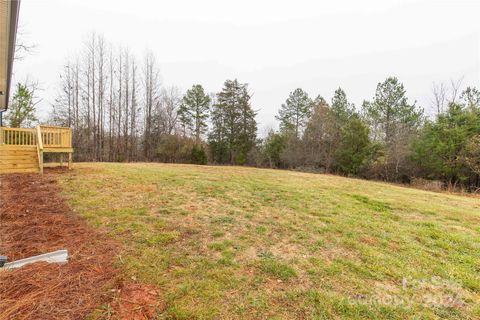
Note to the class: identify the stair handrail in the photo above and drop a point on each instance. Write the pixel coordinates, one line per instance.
(39, 149)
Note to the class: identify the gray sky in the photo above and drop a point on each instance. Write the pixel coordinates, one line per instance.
(275, 46)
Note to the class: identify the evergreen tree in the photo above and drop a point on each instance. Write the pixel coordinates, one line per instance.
(390, 112)
(471, 154)
(354, 149)
(234, 127)
(393, 121)
(294, 114)
(273, 147)
(22, 108)
(340, 105)
(319, 100)
(217, 137)
(247, 127)
(446, 148)
(471, 97)
(194, 110)
(198, 155)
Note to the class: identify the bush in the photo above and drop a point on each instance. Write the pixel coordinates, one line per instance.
(174, 149)
(199, 156)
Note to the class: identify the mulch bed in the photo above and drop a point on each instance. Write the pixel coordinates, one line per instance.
(34, 219)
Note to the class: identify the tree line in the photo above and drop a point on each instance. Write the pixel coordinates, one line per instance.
(387, 138)
(120, 111)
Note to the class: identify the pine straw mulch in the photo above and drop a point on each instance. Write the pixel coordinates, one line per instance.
(35, 220)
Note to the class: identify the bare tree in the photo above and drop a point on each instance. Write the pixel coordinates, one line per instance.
(126, 86)
(151, 86)
(455, 89)
(101, 61)
(118, 111)
(439, 92)
(23, 47)
(133, 112)
(170, 100)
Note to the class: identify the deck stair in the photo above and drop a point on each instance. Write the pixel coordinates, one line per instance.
(23, 149)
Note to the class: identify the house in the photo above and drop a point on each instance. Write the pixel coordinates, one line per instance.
(8, 30)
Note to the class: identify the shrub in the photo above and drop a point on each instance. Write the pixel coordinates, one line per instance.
(199, 156)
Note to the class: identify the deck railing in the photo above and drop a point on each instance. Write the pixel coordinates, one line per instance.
(45, 139)
(52, 137)
(56, 137)
(18, 136)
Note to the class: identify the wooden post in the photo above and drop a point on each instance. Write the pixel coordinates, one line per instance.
(61, 159)
(40, 149)
(69, 160)
(40, 162)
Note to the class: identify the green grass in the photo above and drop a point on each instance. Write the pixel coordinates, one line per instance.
(245, 243)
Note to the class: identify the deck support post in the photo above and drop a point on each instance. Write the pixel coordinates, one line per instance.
(69, 160)
(39, 149)
(40, 162)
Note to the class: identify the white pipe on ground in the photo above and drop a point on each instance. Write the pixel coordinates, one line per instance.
(59, 256)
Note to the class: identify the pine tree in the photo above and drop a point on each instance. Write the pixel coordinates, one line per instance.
(471, 97)
(447, 148)
(393, 121)
(247, 127)
(354, 147)
(234, 127)
(217, 138)
(294, 114)
(273, 147)
(319, 100)
(22, 109)
(340, 105)
(194, 110)
(390, 112)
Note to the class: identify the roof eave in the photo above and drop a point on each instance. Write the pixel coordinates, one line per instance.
(14, 12)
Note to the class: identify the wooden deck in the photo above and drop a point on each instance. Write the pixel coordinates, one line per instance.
(23, 149)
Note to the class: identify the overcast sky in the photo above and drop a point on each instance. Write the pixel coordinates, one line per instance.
(275, 46)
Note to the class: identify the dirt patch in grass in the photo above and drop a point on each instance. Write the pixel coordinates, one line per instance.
(35, 220)
(139, 302)
(288, 251)
(337, 252)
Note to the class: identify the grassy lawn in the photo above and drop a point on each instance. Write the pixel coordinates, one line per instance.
(245, 243)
